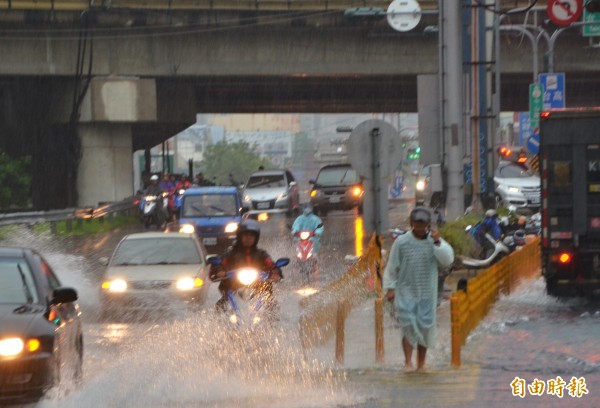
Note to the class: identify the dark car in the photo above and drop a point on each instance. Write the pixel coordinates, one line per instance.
(337, 187)
(40, 329)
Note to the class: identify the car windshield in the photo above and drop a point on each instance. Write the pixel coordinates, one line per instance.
(210, 205)
(156, 251)
(513, 171)
(16, 282)
(337, 176)
(266, 181)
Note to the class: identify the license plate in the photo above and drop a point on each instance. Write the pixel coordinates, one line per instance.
(334, 199)
(209, 241)
(262, 206)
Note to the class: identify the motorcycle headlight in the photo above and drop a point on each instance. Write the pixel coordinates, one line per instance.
(181, 191)
(189, 283)
(514, 189)
(304, 235)
(150, 198)
(231, 227)
(187, 229)
(420, 185)
(115, 285)
(11, 347)
(247, 276)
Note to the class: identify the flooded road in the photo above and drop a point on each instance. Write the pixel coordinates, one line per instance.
(184, 359)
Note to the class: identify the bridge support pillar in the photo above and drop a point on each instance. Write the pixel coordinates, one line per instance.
(109, 110)
(105, 170)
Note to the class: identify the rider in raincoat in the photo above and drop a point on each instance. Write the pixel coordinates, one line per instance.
(410, 280)
(308, 221)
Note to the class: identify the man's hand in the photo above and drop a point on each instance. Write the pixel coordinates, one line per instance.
(390, 295)
(435, 235)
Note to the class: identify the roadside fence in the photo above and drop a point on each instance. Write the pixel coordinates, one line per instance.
(468, 307)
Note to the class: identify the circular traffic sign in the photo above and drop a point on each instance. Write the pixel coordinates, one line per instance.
(403, 15)
(564, 12)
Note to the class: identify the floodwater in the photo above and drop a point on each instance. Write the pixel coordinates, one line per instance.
(184, 358)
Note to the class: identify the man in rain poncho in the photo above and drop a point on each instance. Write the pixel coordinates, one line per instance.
(410, 281)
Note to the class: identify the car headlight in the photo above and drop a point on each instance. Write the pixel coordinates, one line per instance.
(420, 185)
(115, 285)
(187, 229)
(247, 276)
(357, 191)
(513, 189)
(189, 283)
(304, 235)
(11, 347)
(314, 193)
(231, 227)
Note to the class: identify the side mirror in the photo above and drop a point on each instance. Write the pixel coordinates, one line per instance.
(311, 181)
(103, 261)
(64, 295)
(282, 262)
(293, 183)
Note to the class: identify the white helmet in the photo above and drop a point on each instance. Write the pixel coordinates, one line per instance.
(154, 177)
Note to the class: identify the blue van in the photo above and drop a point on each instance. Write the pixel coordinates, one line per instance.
(213, 213)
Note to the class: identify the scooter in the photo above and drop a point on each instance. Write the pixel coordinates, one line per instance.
(248, 298)
(305, 256)
(500, 250)
(151, 214)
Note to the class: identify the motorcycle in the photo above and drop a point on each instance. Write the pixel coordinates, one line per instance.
(249, 302)
(175, 202)
(499, 249)
(305, 255)
(151, 213)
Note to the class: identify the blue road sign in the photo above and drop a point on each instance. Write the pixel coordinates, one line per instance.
(524, 128)
(533, 144)
(554, 90)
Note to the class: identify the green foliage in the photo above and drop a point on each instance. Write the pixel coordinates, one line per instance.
(238, 159)
(454, 233)
(15, 181)
(89, 226)
(6, 231)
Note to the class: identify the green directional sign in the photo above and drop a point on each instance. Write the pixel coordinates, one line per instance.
(536, 102)
(591, 30)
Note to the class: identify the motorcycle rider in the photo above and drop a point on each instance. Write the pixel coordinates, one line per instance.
(245, 253)
(154, 187)
(309, 221)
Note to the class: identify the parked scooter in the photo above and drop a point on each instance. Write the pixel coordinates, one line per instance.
(305, 255)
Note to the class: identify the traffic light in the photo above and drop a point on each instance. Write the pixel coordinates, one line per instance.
(592, 6)
(413, 153)
(516, 155)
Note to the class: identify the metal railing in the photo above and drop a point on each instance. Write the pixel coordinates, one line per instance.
(468, 307)
(69, 214)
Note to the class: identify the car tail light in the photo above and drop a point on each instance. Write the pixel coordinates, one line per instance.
(564, 258)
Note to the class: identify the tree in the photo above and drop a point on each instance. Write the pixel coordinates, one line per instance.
(15, 182)
(237, 159)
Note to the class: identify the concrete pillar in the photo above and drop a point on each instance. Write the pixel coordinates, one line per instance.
(105, 172)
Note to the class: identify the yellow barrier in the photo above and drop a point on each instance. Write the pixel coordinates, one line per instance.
(470, 307)
(324, 313)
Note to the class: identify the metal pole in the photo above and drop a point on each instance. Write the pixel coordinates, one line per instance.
(453, 85)
(376, 171)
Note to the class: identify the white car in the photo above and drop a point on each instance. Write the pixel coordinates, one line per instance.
(272, 191)
(153, 269)
(516, 186)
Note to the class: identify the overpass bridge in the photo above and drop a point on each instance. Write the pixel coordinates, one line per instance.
(107, 78)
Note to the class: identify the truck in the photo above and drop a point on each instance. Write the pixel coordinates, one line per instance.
(570, 181)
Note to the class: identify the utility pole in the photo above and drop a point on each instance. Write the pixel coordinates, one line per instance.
(451, 39)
